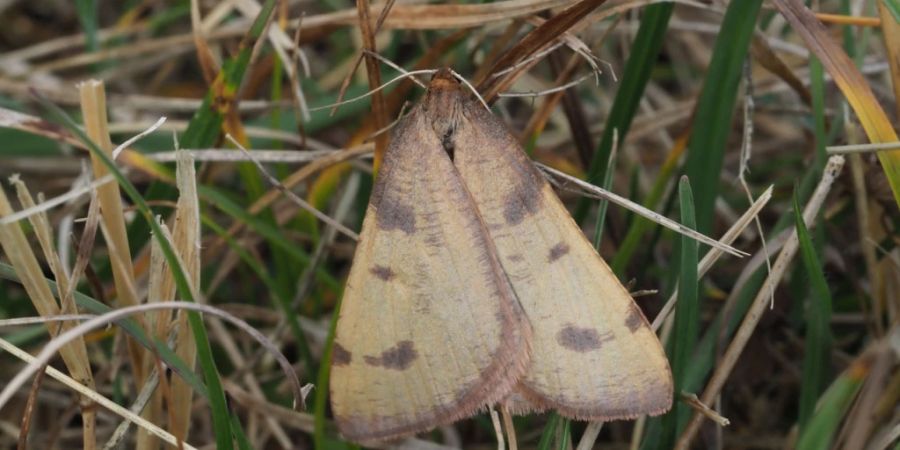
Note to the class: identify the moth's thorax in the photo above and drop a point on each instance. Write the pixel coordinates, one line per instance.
(443, 105)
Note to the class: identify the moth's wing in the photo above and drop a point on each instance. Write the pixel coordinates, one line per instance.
(593, 354)
(429, 328)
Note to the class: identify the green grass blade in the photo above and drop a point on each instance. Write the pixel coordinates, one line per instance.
(644, 50)
(817, 92)
(817, 346)
(835, 403)
(712, 120)
(320, 394)
(240, 437)
(687, 317)
(549, 433)
(87, 15)
(604, 203)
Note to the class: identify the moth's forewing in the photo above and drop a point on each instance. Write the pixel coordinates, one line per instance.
(429, 329)
(594, 355)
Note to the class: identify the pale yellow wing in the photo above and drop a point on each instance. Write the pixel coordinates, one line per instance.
(593, 354)
(429, 329)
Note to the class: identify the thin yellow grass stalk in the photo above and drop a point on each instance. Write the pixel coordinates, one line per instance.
(25, 263)
(93, 108)
(187, 244)
(44, 233)
(157, 324)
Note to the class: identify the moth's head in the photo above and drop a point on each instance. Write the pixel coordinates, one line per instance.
(443, 91)
(443, 79)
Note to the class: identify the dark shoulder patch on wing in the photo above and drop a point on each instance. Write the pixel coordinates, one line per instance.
(392, 209)
(523, 201)
(398, 357)
(395, 215)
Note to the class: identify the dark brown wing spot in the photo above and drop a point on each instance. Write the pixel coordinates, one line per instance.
(340, 356)
(394, 215)
(579, 339)
(383, 272)
(516, 258)
(398, 357)
(558, 251)
(523, 201)
(634, 319)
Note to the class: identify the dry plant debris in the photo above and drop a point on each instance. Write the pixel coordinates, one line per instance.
(722, 116)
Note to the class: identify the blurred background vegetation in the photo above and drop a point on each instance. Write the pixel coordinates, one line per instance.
(701, 106)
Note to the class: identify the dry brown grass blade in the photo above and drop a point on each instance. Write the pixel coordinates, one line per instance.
(27, 414)
(851, 83)
(25, 263)
(498, 45)
(204, 55)
(532, 43)
(379, 112)
(890, 33)
(346, 83)
(413, 17)
(443, 16)
(767, 58)
(572, 107)
(541, 114)
(760, 302)
(37, 126)
(93, 109)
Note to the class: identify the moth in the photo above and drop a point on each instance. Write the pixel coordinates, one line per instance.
(472, 285)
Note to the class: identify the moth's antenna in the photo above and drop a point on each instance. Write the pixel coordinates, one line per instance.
(471, 88)
(394, 66)
(394, 80)
(533, 57)
(547, 91)
(390, 125)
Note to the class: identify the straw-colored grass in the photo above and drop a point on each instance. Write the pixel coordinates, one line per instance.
(183, 291)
